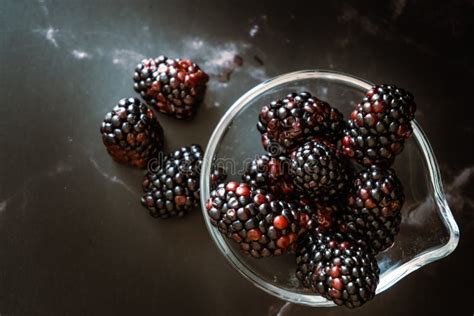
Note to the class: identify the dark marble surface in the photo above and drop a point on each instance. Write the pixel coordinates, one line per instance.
(74, 239)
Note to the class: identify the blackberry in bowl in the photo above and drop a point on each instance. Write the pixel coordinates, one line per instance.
(428, 231)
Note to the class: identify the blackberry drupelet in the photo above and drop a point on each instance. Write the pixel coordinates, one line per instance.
(337, 268)
(131, 133)
(374, 206)
(172, 86)
(271, 174)
(379, 126)
(218, 175)
(174, 189)
(262, 225)
(287, 123)
(319, 171)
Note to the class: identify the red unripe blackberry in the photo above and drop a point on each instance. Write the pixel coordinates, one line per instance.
(379, 125)
(131, 133)
(172, 86)
(287, 123)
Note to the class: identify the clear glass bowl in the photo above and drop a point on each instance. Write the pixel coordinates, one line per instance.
(428, 231)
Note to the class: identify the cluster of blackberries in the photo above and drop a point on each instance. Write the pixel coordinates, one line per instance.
(324, 189)
(133, 135)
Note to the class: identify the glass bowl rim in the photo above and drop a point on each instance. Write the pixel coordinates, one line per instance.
(391, 276)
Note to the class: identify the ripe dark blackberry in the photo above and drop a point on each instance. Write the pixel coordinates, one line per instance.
(173, 86)
(379, 126)
(337, 268)
(287, 123)
(269, 173)
(131, 133)
(262, 225)
(319, 171)
(374, 206)
(174, 189)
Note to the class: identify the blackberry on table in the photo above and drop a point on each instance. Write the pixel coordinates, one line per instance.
(262, 225)
(319, 171)
(287, 123)
(374, 206)
(172, 86)
(131, 133)
(337, 268)
(379, 126)
(174, 189)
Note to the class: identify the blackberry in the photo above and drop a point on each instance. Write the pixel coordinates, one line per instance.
(319, 171)
(174, 189)
(338, 269)
(172, 86)
(262, 225)
(374, 206)
(131, 133)
(269, 173)
(379, 126)
(287, 123)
